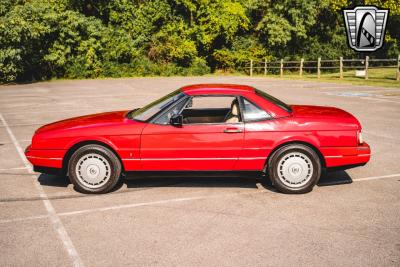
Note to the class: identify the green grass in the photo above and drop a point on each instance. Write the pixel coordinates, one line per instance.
(376, 77)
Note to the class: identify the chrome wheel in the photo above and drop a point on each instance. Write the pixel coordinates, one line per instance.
(295, 169)
(93, 170)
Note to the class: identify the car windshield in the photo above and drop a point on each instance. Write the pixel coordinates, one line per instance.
(148, 111)
(274, 100)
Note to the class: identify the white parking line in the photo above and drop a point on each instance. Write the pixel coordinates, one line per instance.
(24, 218)
(260, 188)
(23, 124)
(7, 143)
(173, 200)
(132, 205)
(376, 177)
(56, 222)
(11, 169)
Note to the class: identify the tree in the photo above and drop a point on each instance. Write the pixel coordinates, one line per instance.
(42, 39)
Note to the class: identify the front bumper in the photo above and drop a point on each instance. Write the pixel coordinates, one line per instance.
(52, 158)
(342, 156)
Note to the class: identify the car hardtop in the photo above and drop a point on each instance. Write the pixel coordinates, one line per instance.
(216, 89)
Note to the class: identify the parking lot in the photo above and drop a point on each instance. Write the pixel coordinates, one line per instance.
(351, 218)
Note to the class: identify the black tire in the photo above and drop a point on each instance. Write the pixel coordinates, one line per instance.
(112, 167)
(306, 154)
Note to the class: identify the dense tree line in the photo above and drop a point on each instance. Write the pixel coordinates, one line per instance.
(87, 38)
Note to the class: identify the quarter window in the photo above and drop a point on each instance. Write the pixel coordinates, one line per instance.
(254, 113)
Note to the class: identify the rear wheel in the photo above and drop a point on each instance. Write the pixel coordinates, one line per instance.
(94, 169)
(294, 169)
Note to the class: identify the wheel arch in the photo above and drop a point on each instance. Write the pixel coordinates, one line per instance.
(80, 144)
(295, 142)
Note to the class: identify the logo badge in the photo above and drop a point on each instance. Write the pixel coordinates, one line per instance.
(365, 27)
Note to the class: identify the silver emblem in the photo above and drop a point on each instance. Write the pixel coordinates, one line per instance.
(365, 27)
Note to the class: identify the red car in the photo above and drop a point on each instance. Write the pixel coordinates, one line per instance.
(208, 128)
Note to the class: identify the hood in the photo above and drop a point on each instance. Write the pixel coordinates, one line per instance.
(83, 121)
(325, 114)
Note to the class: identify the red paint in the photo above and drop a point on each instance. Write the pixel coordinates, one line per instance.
(146, 146)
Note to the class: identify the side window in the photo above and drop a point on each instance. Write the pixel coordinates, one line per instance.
(253, 113)
(166, 116)
(212, 109)
(211, 102)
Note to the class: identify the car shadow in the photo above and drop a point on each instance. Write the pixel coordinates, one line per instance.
(165, 181)
(334, 178)
(327, 179)
(53, 180)
(198, 181)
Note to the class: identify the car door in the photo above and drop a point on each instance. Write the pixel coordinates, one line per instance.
(201, 143)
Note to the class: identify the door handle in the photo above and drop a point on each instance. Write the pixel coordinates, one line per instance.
(232, 130)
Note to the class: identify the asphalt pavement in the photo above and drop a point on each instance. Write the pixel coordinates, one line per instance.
(352, 218)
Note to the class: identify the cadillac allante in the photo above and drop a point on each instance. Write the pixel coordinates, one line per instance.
(212, 129)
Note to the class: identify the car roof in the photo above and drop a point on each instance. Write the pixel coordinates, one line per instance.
(199, 89)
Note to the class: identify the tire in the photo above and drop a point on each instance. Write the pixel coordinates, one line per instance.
(94, 169)
(294, 169)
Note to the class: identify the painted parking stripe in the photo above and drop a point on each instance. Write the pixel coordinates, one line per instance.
(174, 200)
(11, 169)
(24, 218)
(23, 124)
(8, 143)
(360, 179)
(259, 186)
(376, 177)
(54, 218)
(133, 205)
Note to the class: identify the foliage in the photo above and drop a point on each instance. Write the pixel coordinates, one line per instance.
(42, 39)
(239, 53)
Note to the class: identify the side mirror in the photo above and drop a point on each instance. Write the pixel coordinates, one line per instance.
(176, 120)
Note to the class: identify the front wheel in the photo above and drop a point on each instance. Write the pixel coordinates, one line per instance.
(294, 169)
(94, 169)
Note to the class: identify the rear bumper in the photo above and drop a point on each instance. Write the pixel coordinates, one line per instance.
(45, 158)
(343, 156)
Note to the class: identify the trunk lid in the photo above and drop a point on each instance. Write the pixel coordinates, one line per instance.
(330, 115)
(319, 111)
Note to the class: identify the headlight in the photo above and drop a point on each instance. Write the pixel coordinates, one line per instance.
(360, 138)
